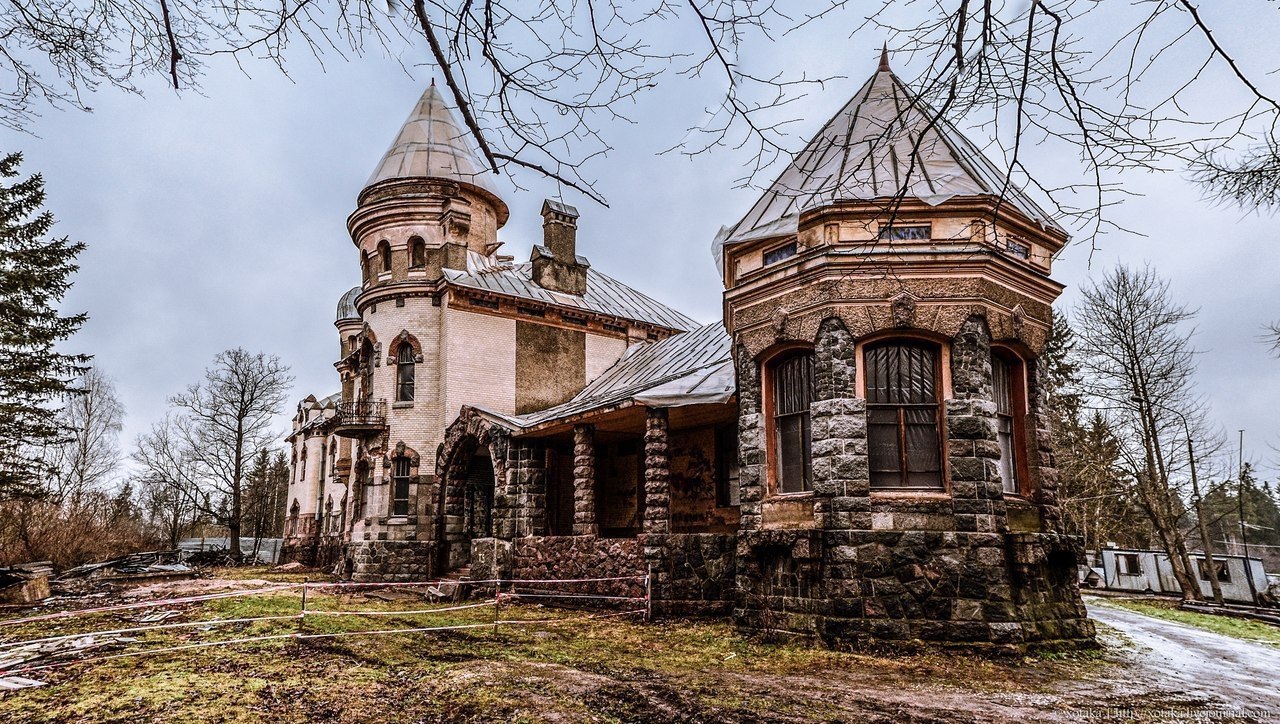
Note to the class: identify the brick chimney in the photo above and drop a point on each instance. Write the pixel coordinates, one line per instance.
(556, 264)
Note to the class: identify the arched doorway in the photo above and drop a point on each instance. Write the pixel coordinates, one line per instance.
(470, 464)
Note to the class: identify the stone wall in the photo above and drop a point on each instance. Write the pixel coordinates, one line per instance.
(566, 557)
(385, 561)
(699, 568)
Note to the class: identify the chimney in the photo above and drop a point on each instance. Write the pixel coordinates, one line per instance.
(560, 230)
(556, 264)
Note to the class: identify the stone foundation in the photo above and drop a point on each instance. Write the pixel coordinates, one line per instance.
(905, 588)
(387, 561)
(566, 557)
(698, 570)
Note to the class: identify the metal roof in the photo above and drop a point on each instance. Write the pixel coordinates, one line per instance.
(347, 305)
(433, 144)
(605, 295)
(866, 152)
(685, 369)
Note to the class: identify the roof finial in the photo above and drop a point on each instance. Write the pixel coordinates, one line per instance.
(433, 80)
(884, 57)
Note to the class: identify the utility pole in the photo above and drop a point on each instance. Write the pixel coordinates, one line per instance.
(1244, 536)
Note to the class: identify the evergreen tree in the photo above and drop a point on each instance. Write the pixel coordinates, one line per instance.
(35, 273)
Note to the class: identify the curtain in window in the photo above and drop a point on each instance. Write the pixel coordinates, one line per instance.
(792, 395)
(902, 416)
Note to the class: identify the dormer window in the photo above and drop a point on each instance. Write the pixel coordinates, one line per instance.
(903, 232)
(777, 254)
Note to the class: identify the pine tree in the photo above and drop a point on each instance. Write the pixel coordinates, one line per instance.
(35, 273)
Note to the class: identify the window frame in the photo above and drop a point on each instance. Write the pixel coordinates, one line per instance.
(769, 369)
(941, 381)
(384, 257)
(417, 253)
(1018, 401)
(401, 479)
(728, 467)
(406, 359)
(1121, 564)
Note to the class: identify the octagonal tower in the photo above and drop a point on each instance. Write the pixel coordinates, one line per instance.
(889, 298)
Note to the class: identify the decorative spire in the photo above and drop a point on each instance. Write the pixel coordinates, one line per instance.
(884, 59)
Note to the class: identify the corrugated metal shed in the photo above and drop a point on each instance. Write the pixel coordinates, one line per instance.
(866, 152)
(693, 368)
(605, 294)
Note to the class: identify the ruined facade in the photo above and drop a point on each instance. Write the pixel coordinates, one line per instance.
(859, 452)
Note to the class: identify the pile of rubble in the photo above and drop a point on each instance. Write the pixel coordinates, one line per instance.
(126, 571)
(25, 582)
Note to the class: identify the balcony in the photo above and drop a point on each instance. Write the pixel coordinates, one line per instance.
(361, 418)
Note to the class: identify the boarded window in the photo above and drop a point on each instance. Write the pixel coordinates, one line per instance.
(400, 484)
(773, 256)
(404, 373)
(1004, 376)
(792, 395)
(902, 416)
(910, 232)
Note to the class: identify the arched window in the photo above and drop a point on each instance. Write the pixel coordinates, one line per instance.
(404, 373)
(790, 394)
(417, 252)
(1007, 389)
(364, 266)
(384, 255)
(400, 486)
(902, 415)
(366, 371)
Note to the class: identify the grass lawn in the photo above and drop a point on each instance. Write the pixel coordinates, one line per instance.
(1240, 628)
(564, 668)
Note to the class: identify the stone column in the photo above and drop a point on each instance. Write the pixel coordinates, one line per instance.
(531, 488)
(750, 441)
(973, 451)
(657, 503)
(657, 473)
(841, 472)
(584, 481)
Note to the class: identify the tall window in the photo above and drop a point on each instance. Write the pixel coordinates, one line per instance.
(792, 380)
(384, 256)
(400, 486)
(727, 493)
(364, 267)
(417, 252)
(404, 373)
(902, 416)
(1006, 387)
(366, 371)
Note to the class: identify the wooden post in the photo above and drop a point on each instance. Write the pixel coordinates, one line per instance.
(302, 614)
(648, 598)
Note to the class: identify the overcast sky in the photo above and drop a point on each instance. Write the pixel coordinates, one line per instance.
(217, 220)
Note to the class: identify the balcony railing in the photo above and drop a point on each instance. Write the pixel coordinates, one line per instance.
(358, 416)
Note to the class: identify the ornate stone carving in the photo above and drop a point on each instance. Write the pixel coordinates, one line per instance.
(779, 321)
(1019, 322)
(904, 309)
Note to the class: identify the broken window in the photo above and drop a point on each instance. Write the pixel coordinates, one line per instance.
(404, 373)
(902, 415)
(786, 251)
(792, 394)
(417, 252)
(1128, 564)
(1223, 571)
(400, 486)
(910, 232)
(1006, 385)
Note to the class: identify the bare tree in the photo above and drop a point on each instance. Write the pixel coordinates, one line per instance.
(223, 421)
(538, 83)
(169, 480)
(90, 456)
(1139, 363)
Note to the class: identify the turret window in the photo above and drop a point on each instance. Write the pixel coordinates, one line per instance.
(902, 416)
(404, 373)
(1007, 392)
(417, 253)
(911, 232)
(791, 394)
(384, 256)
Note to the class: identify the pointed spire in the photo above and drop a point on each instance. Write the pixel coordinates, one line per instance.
(433, 144)
(884, 59)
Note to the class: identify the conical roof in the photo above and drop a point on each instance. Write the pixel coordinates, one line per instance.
(432, 143)
(866, 152)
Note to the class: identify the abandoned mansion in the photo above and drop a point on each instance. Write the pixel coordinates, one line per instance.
(859, 451)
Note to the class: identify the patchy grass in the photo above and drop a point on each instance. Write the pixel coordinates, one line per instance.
(1257, 631)
(564, 668)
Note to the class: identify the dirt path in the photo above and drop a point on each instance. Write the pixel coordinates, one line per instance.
(1201, 662)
